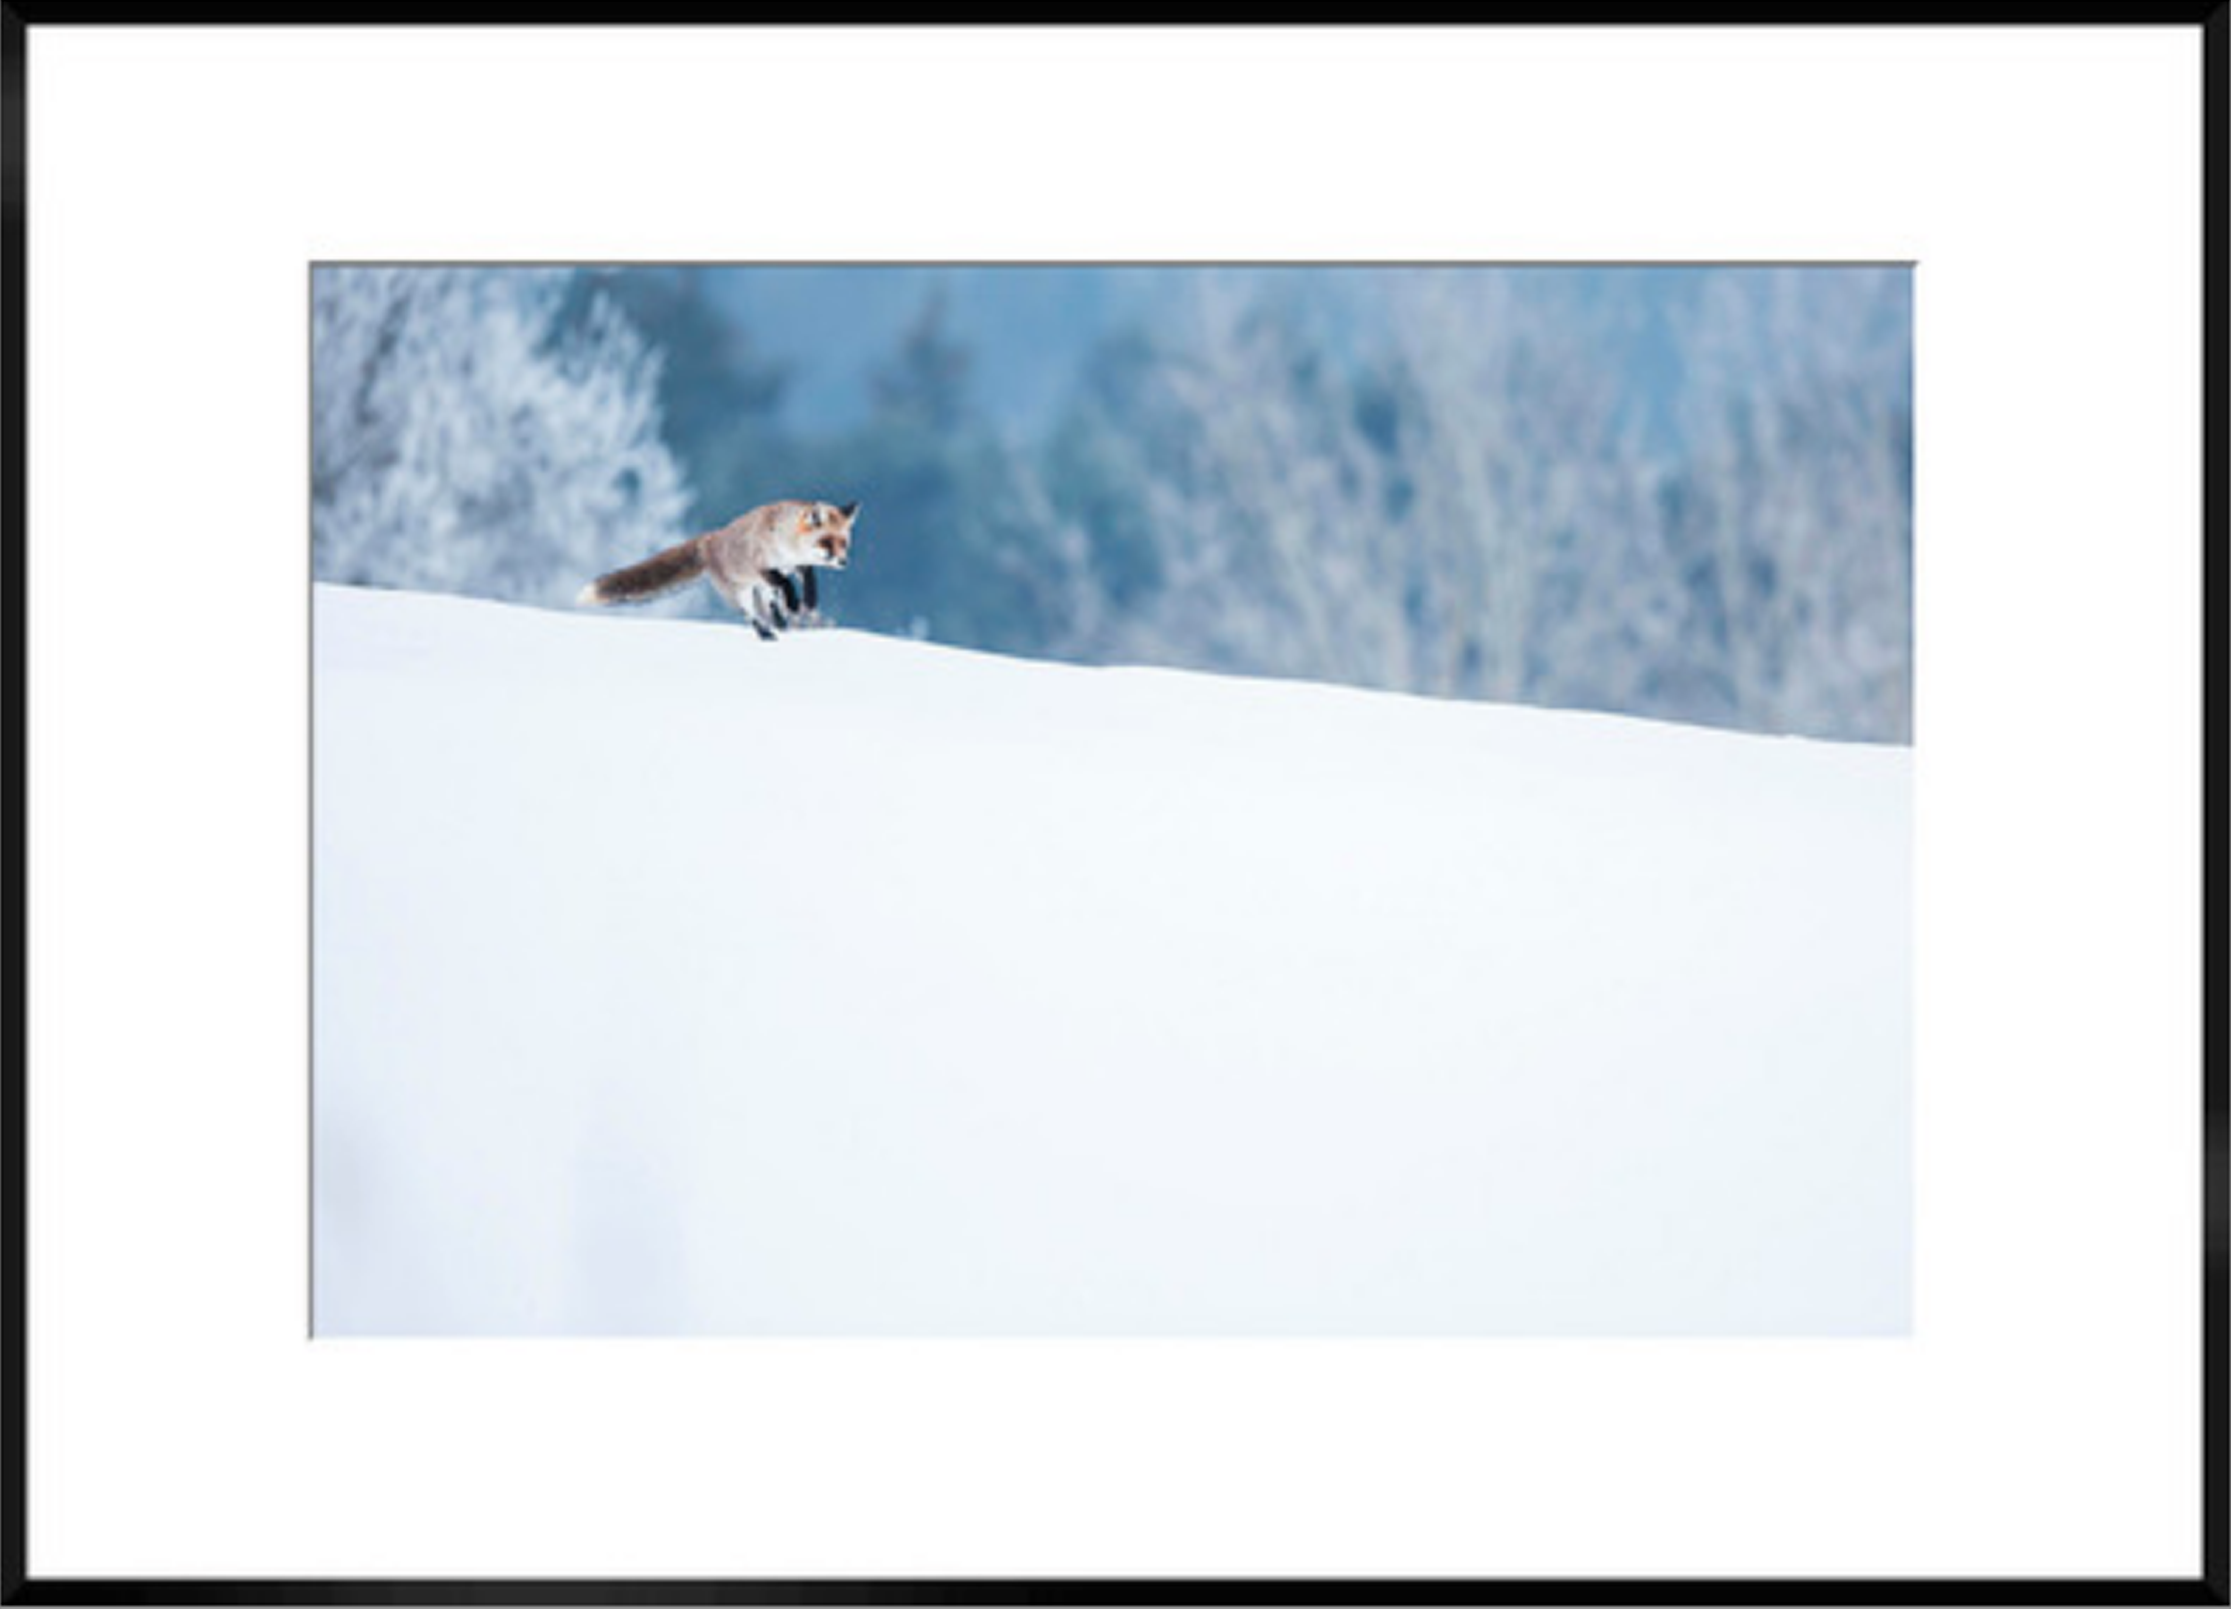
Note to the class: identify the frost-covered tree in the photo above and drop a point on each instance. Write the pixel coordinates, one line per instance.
(1794, 514)
(1462, 512)
(1267, 508)
(470, 433)
(720, 395)
(1527, 513)
(1480, 501)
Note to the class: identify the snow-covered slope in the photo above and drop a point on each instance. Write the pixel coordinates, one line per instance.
(668, 981)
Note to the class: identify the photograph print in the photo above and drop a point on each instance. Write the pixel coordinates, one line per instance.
(1242, 800)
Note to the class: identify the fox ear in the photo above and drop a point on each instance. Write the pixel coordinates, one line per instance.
(848, 510)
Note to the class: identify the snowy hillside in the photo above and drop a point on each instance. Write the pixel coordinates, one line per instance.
(667, 981)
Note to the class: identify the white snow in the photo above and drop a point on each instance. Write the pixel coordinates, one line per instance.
(671, 982)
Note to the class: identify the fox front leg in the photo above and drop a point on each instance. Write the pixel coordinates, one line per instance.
(800, 596)
(788, 612)
(787, 585)
(768, 613)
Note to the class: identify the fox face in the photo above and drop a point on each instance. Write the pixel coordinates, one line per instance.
(825, 534)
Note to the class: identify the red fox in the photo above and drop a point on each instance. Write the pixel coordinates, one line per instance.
(749, 560)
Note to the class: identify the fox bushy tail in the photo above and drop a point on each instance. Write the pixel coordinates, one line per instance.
(662, 572)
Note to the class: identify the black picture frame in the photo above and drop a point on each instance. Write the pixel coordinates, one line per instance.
(19, 30)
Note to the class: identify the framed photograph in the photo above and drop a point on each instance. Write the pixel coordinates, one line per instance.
(867, 813)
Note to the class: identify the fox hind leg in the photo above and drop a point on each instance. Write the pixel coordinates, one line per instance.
(748, 599)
